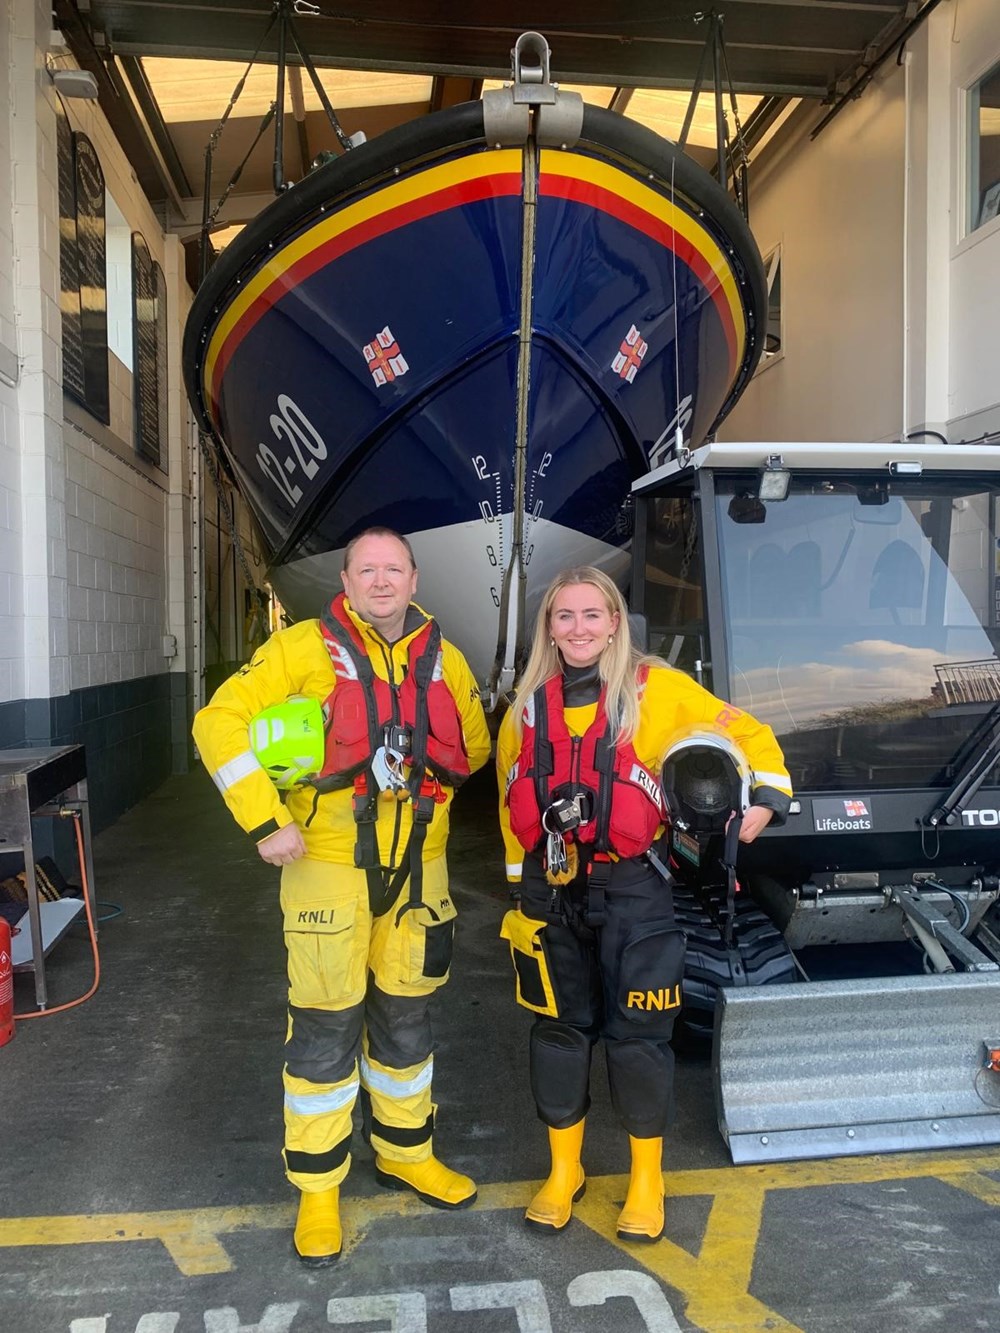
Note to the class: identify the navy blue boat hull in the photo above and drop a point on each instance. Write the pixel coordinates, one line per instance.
(364, 354)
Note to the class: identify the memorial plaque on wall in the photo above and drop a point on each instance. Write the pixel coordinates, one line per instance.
(69, 275)
(145, 361)
(92, 273)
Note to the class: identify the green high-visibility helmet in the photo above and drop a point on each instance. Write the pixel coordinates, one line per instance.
(288, 740)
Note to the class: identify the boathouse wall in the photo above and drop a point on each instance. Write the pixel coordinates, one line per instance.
(888, 294)
(103, 552)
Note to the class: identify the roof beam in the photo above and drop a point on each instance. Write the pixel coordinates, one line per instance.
(149, 107)
(120, 107)
(789, 47)
(450, 91)
(238, 208)
(299, 113)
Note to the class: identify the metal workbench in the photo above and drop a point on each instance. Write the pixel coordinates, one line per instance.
(46, 782)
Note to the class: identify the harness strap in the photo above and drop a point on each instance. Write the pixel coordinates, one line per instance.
(729, 852)
(604, 763)
(544, 756)
(422, 793)
(598, 879)
(365, 805)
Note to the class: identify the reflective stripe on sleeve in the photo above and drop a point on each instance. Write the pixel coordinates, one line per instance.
(780, 780)
(394, 1087)
(236, 770)
(322, 1103)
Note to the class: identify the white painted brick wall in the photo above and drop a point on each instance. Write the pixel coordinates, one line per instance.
(96, 561)
(84, 541)
(7, 338)
(116, 543)
(11, 602)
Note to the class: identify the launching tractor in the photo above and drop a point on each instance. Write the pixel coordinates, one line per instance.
(849, 596)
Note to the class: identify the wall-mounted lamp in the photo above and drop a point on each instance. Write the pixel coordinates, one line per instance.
(74, 83)
(774, 479)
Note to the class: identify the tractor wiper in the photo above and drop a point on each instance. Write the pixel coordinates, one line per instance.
(976, 756)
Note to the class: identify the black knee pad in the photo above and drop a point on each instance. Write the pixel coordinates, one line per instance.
(398, 1027)
(560, 1073)
(323, 1044)
(641, 1075)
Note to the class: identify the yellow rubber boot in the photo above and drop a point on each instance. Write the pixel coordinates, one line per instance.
(318, 1237)
(641, 1219)
(430, 1180)
(552, 1206)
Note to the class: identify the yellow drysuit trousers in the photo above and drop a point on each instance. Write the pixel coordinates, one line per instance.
(358, 1016)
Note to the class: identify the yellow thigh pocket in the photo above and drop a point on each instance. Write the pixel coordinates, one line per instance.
(531, 965)
(413, 956)
(326, 935)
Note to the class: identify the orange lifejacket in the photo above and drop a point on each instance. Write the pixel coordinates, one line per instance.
(621, 801)
(418, 718)
(364, 712)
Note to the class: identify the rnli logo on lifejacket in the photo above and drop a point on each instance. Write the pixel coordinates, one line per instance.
(667, 997)
(626, 364)
(648, 783)
(385, 361)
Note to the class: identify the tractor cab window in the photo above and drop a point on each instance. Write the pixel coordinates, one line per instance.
(673, 600)
(862, 620)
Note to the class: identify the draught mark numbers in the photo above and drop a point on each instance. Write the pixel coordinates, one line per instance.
(491, 512)
(306, 450)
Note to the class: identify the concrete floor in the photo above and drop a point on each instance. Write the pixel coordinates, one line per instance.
(142, 1188)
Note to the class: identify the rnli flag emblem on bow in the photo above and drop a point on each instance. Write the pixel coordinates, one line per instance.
(385, 361)
(630, 355)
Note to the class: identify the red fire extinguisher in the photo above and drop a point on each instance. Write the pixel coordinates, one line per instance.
(6, 985)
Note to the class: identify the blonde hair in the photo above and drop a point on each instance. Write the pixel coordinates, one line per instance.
(618, 663)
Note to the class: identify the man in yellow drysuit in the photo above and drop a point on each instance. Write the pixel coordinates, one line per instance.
(368, 917)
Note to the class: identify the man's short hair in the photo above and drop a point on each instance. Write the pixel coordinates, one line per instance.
(378, 532)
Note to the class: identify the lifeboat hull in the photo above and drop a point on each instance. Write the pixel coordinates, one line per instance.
(480, 347)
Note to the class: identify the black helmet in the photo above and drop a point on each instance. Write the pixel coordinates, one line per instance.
(706, 778)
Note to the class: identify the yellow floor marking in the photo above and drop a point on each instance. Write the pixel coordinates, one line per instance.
(190, 1236)
(982, 1187)
(714, 1284)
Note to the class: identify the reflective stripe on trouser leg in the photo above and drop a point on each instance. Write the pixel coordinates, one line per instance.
(317, 1149)
(402, 1115)
(327, 936)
